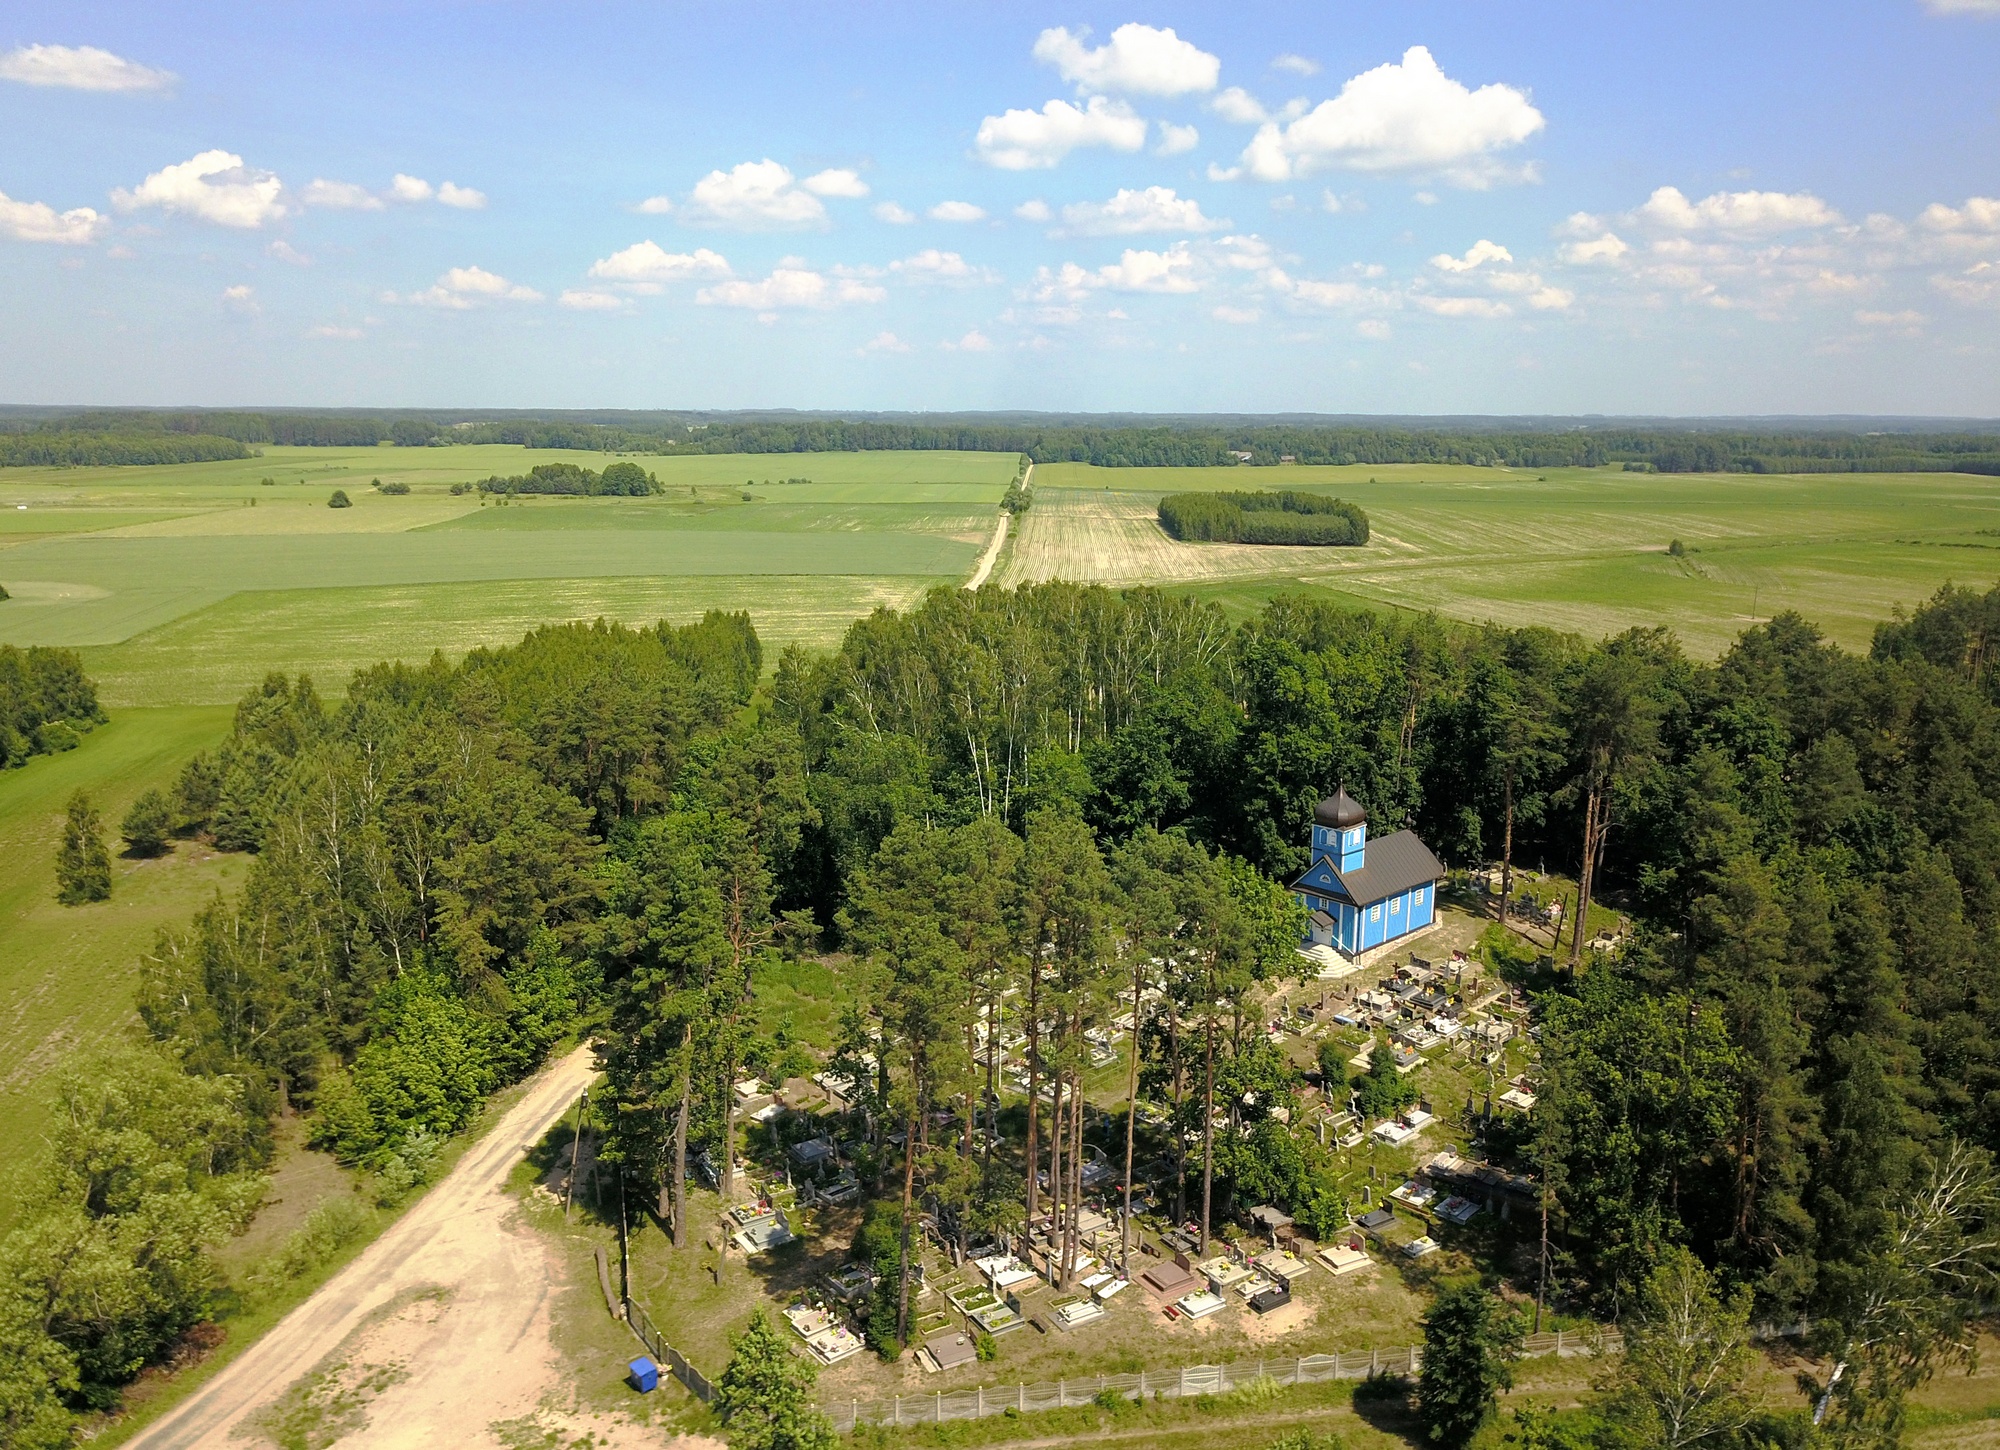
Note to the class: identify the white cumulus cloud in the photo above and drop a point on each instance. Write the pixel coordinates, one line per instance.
(1036, 210)
(1759, 212)
(1139, 60)
(1479, 252)
(465, 198)
(410, 188)
(1172, 270)
(754, 196)
(1156, 209)
(37, 221)
(1374, 329)
(895, 215)
(1036, 140)
(647, 263)
(1239, 107)
(215, 186)
(467, 287)
(973, 341)
(336, 330)
(1298, 65)
(789, 286)
(80, 68)
(339, 195)
(885, 342)
(1404, 116)
(933, 265)
(956, 211)
(655, 206)
(1606, 247)
(837, 181)
(1979, 214)
(1176, 140)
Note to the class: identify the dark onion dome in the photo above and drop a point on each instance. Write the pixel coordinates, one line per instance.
(1340, 810)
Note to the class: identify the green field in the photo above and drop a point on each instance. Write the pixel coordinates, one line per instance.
(184, 585)
(1581, 549)
(67, 973)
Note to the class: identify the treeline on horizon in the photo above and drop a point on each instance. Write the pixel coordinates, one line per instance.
(122, 437)
(1036, 794)
(1279, 517)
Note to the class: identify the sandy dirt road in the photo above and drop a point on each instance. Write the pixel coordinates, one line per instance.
(451, 1306)
(992, 552)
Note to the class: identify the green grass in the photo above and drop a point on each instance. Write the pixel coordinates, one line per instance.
(188, 583)
(67, 973)
(217, 652)
(1585, 549)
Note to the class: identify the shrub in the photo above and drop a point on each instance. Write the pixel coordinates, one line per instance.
(340, 500)
(1382, 1089)
(985, 1349)
(393, 487)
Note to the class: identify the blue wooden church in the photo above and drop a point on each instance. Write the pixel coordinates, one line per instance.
(1362, 894)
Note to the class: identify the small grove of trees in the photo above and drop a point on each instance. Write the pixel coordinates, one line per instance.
(110, 1261)
(340, 500)
(1282, 517)
(46, 702)
(83, 863)
(619, 480)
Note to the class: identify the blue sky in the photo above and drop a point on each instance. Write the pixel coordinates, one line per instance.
(1413, 207)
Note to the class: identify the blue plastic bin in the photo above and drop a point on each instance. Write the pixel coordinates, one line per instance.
(645, 1374)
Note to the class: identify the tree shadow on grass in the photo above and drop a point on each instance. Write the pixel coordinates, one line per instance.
(1387, 1402)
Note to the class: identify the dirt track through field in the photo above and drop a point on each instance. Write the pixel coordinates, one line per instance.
(477, 1351)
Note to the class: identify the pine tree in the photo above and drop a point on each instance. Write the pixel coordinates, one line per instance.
(148, 826)
(83, 865)
(765, 1395)
(1470, 1343)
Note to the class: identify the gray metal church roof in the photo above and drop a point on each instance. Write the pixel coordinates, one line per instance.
(1395, 863)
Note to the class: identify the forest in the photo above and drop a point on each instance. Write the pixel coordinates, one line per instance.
(1283, 517)
(1083, 798)
(150, 437)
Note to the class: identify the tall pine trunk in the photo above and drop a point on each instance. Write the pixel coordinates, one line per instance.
(1590, 809)
(1034, 1086)
(681, 1137)
(1507, 846)
(1208, 1128)
(903, 1258)
(1131, 1120)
